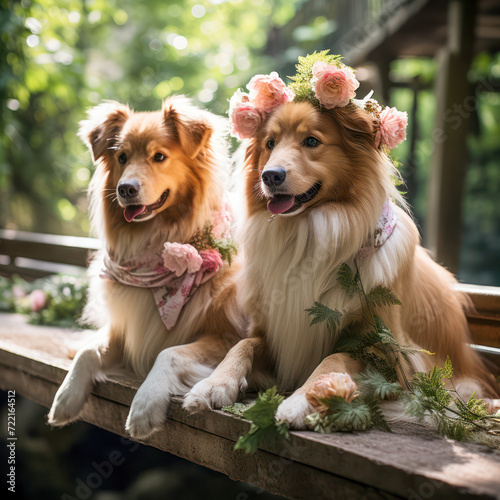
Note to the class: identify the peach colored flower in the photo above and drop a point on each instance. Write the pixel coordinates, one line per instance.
(269, 91)
(392, 130)
(332, 384)
(245, 119)
(180, 258)
(212, 260)
(38, 300)
(334, 87)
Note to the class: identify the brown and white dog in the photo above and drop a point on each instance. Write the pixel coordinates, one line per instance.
(159, 177)
(321, 172)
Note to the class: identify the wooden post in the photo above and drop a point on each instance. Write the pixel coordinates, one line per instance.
(449, 137)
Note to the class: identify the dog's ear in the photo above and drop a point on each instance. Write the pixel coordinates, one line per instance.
(102, 126)
(191, 125)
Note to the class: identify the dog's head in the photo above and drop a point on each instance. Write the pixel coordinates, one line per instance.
(150, 162)
(303, 157)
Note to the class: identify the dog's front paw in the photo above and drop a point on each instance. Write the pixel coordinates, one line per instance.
(214, 392)
(67, 405)
(294, 411)
(148, 411)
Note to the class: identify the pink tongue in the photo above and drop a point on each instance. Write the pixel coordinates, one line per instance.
(133, 211)
(280, 203)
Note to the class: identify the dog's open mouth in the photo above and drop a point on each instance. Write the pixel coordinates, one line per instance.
(288, 203)
(132, 212)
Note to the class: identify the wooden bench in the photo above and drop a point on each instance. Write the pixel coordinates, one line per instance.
(411, 462)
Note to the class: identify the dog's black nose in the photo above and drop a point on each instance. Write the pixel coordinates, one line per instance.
(129, 190)
(274, 176)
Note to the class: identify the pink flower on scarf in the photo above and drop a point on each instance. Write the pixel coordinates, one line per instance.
(38, 300)
(180, 258)
(245, 119)
(392, 130)
(332, 384)
(334, 87)
(269, 91)
(212, 260)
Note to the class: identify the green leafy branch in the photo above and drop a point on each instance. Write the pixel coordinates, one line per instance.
(264, 428)
(426, 395)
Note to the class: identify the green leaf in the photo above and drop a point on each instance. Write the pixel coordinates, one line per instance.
(262, 412)
(375, 386)
(377, 417)
(320, 313)
(237, 408)
(348, 280)
(448, 368)
(347, 416)
(264, 429)
(381, 296)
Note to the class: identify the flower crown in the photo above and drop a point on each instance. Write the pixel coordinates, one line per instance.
(324, 81)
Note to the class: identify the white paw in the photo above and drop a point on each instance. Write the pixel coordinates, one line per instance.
(493, 405)
(148, 411)
(294, 411)
(214, 392)
(67, 405)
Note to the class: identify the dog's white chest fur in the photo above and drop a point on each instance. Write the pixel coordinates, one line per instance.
(292, 262)
(288, 268)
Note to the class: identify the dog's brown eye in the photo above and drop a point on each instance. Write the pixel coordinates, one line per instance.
(311, 142)
(122, 158)
(159, 157)
(270, 144)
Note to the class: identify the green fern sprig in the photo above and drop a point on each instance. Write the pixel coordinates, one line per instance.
(301, 81)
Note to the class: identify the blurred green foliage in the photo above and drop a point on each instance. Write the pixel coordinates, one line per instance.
(57, 300)
(59, 57)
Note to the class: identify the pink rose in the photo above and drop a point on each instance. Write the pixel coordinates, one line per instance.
(38, 300)
(245, 119)
(269, 91)
(180, 258)
(392, 130)
(333, 384)
(212, 260)
(334, 87)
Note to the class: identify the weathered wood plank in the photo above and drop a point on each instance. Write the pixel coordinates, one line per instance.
(273, 473)
(409, 462)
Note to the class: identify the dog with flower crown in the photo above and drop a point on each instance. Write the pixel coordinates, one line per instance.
(162, 290)
(320, 193)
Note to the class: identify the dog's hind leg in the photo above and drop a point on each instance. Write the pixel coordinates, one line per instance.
(174, 372)
(224, 385)
(87, 367)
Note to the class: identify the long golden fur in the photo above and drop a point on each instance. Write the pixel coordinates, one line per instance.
(292, 259)
(178, 157)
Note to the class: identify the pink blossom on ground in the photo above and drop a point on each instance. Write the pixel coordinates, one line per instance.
(269, 91)
(244, 117)
(38, 300)
(212, 260)
(334, 87)
(180, 258)
(392, 130)
(328, 385)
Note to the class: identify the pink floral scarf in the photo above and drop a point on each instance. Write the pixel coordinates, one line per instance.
(383, 230)
(180, 269)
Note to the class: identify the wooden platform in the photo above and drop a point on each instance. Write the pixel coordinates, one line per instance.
(410, 463)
